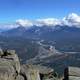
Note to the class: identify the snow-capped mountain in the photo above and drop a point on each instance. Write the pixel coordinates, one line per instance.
(23, 36)
(68, 27)
(70, 20)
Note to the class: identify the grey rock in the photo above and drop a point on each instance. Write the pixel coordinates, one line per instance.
(12, 56)
(9, 65)
(74, 78)
(7, 71)
(74, 71)
(1, 52)
(10, 68)
(32, 72)
(20, 77)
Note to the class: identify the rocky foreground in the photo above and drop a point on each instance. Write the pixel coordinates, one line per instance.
(10, 69)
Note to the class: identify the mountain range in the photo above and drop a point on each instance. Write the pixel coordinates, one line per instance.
(50, 28)
(70, 20)
(34, 41)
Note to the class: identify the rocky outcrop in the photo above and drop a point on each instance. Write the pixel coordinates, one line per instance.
(10, 68)
(9, 65)
(29, 72)
(72, 73)
(20, 77)
(37, 72)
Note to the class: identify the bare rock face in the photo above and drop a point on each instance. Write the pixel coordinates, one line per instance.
(20, 77)
(10, 68)
(7, 71)
(29, 72)
(15, 60)
(37, 72)
(9, 65)
(74, 73)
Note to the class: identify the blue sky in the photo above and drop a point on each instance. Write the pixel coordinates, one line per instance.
(11, 10)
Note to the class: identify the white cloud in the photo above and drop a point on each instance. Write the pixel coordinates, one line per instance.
(72, 20)
(8, 26)
(25, 22)
(48, 22)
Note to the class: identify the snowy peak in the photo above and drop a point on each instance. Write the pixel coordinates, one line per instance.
(70, 20)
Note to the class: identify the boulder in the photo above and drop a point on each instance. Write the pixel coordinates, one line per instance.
(37, 72)
(12, 56)
(7, 71)
(9, 65)
(20, 77)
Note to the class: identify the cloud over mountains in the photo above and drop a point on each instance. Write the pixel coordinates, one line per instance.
(71, 20)
(24, 22)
